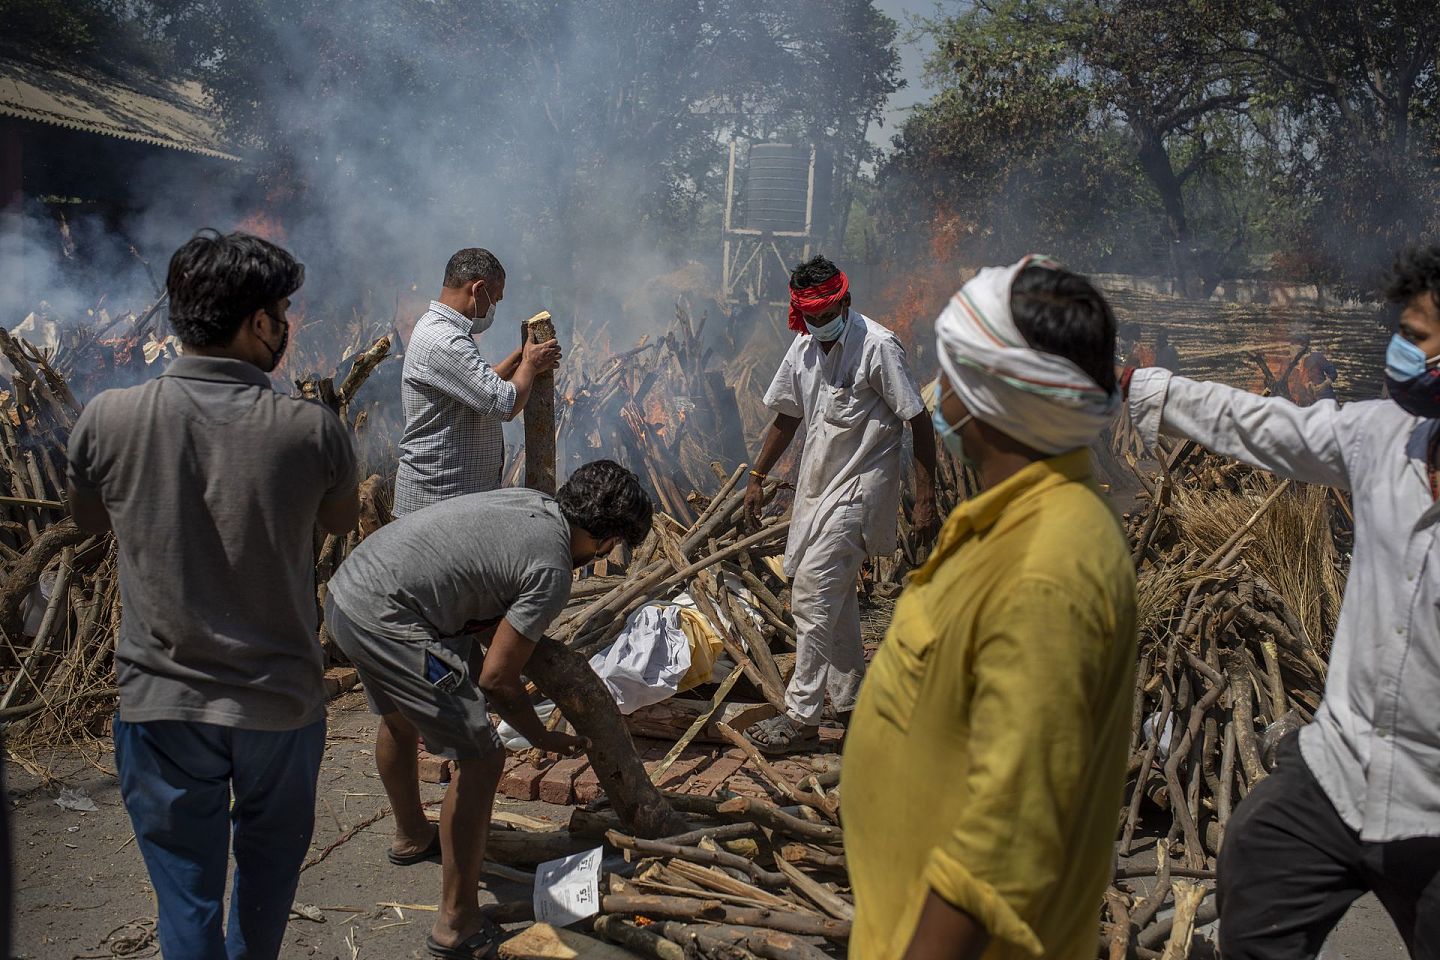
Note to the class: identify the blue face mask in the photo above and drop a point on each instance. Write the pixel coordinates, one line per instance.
(1412, 379)
(950, 436)
(829, 331)
(1403, 360)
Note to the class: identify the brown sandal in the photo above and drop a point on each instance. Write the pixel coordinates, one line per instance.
(781, 735)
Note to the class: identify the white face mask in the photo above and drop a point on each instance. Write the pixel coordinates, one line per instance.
(830, 330)
(480, 324)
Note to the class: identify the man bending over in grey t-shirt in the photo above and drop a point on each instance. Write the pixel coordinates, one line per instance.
(406, 607)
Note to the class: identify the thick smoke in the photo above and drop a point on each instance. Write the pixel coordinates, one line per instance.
(377, 142)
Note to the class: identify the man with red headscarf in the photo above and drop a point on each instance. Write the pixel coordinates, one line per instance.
(845, 378)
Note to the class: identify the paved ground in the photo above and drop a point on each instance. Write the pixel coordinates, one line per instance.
(80, 880)
(79, 877)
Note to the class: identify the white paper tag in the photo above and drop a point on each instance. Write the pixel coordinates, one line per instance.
(568, 889)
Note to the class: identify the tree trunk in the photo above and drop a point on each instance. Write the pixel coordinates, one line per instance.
(1155, 161)
(540, 415)
(566, 678)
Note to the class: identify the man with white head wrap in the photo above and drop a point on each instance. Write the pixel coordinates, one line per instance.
(987, 753)
(846, 380)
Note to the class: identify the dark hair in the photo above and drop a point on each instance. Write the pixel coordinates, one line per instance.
(1060, 312)
(1416, 271)
(216, 282)
(471, 264)
(814, 271)
(606, 500)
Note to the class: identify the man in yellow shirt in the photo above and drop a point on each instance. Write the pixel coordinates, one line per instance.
(986, 759)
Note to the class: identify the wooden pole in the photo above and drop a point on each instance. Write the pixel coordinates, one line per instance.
(540, 413)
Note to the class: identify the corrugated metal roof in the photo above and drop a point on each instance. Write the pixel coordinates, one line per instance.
(163, 113)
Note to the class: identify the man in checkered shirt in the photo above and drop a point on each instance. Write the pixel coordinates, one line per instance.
(455, 401)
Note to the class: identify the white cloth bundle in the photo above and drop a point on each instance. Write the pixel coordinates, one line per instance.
(1043, 400)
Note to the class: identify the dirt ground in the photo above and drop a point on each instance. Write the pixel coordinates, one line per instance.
(82, 891)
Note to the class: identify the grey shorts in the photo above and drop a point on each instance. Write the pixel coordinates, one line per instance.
(454, 723)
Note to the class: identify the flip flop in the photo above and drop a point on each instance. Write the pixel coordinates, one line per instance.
(431, 852)
(483, 944)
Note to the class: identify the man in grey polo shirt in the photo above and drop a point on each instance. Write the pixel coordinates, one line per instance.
(454, 401)
(406, 608)
(213, 484)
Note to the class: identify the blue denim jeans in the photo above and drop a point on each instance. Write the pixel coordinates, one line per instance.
(177, 779)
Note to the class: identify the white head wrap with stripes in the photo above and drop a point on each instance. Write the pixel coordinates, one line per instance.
(1041, 399)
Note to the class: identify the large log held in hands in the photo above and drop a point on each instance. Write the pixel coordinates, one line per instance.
(540, 413)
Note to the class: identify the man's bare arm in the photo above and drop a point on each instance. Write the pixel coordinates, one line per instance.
(777, 440)
(536, 358)
(922, 433)
(499, 679)
(946, 932)
(88, 510)
(506, 368)
(339, 513)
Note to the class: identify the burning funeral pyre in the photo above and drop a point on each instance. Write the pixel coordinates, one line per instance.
(1240, 578)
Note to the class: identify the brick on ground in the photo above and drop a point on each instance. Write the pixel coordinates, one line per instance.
(338, 680)
(747, 786)
(711, 777)
(681, 769)
(523, 781)
(557, 785)
(586, 786)
(434, 769)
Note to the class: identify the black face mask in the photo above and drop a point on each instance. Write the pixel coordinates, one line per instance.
(277, 352)
(1418, 396)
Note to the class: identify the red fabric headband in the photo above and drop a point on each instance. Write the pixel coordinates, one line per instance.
(816, 299)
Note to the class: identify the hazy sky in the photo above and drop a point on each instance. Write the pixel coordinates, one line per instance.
(912, 61)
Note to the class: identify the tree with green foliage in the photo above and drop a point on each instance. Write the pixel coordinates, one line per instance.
(1358, 82)
(1075, 112)
(1215, 133)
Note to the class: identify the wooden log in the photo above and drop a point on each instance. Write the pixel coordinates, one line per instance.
(656, 848)
(816, 892)
(773, 818)
(656, 583)
(755, 644)
(1187, 901)
(717, 880)
(683, 908)
(1244, 722)
(24, 574)
(819, 801)
(526, 848)
(360, 371)
(769, 944)
(724, 831)
(1156, 934)
(540, 413)
(544, 942)
(698, 724)
(805, 853)
(29, 669)
(628, 935)
(565, 678)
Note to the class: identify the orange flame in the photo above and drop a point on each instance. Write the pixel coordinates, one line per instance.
(263, 224)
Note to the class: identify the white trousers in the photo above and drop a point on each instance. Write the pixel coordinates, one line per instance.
(830, 658)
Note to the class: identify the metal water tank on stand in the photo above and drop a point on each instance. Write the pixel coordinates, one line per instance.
(778, 188)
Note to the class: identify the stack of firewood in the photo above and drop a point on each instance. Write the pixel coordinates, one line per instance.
(660, 408)
(745, 878)
(59, 599)
(1240, 577)
(59, 592)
